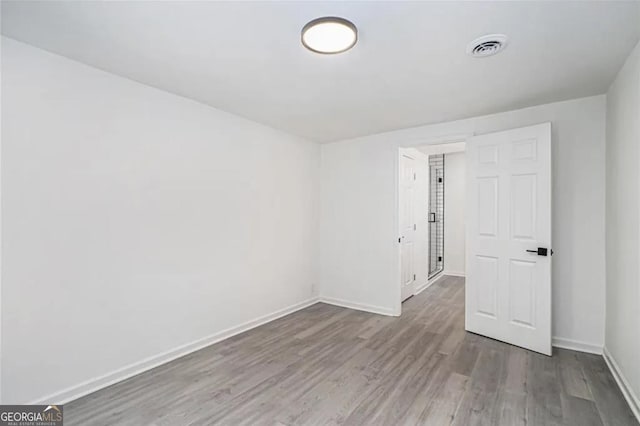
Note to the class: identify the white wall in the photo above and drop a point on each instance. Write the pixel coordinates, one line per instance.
(454, 213)
(135, 221)
(623, 217)
(358, 234)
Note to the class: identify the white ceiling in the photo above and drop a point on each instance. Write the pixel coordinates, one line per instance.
(408, 68)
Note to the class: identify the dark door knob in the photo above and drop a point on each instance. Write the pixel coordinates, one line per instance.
(541, 251)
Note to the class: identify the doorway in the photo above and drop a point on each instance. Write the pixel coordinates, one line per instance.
(431, 225)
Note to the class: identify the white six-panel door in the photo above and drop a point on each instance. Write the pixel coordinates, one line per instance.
(407, 224)
(508, 285)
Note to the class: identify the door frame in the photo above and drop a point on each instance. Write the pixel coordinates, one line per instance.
(414, 143)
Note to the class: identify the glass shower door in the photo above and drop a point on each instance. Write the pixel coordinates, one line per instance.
(436, 214)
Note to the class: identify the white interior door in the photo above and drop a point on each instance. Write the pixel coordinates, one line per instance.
(407, 224)
(508, 285)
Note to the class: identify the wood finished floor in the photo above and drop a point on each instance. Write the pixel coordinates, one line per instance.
(330, 365)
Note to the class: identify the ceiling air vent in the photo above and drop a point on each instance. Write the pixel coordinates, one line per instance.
(487, 45)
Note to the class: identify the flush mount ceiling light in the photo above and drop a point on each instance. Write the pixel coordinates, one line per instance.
(329, 35)
(487, 45)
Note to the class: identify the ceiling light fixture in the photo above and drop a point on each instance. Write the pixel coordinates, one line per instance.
(329, 35)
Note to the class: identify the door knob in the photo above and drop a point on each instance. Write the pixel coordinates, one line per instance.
(541, 251)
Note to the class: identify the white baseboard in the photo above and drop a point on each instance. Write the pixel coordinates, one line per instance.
(424, 286)
(623, 384)
(74, 392)
(428, 284)
(454, 274)
(575, 345)
(359, 306)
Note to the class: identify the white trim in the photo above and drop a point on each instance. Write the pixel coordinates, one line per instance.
(438, 140)
(359, 306)
(424, 286)
(455, 274)
(74, 392)
(623, 384)
(396, 219)
(576, 345)
(428, 284)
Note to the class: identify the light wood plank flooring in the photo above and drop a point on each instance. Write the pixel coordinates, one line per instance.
(330, 365)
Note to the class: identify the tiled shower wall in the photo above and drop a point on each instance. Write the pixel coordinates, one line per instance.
(436, 205)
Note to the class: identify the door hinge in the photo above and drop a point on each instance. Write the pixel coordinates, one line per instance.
(414, 227)
(414, 277)
(414, 176)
